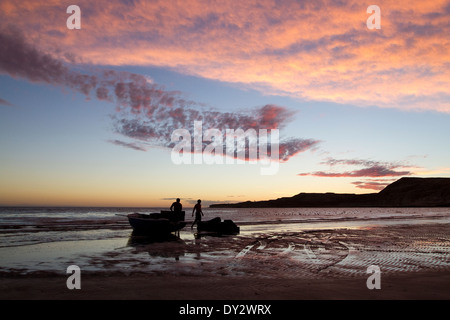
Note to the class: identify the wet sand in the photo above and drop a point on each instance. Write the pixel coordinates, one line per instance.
(432, 285)
(414, 261)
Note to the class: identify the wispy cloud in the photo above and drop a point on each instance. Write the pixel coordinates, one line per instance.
(319, 50)
(130, 145)
(376, 174)
(370, 169)
(377, 184)
(376, 171)
(145, 111)
(158, 129)
(5, 103)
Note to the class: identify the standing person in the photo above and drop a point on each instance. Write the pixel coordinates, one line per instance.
(176, 206)
(198, 213)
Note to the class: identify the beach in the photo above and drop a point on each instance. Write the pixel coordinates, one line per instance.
(290, 259)
(428, 285)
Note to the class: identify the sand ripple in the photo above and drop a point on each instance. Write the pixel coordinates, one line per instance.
(307, 254)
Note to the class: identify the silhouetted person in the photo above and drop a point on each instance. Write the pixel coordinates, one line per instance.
(176, 206)
(198, 213)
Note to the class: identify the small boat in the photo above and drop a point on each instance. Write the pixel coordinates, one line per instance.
(170, 215)
(156, 224)
(217, 226)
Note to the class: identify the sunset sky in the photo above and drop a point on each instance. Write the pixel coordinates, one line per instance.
(87, 115)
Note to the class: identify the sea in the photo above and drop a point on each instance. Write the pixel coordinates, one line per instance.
(48, 239)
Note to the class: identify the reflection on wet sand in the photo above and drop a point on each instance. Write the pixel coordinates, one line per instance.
(167, 246)
(288, 250)
(270, 257)
(302, 254)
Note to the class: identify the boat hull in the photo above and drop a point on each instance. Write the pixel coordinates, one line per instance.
(152, 225)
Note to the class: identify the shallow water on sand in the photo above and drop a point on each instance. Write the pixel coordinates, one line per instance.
(272, 243)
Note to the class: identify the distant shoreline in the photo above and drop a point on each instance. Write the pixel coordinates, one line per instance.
(405, 192)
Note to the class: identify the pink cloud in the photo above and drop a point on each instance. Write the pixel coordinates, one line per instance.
(313, 51)
(376, 171)
(147, 112)
(377, 185)
(371, 169)
(159, 133)
(379, 173)
(290, 147)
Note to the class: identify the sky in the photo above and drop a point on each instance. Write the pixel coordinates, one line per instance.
(97, 115)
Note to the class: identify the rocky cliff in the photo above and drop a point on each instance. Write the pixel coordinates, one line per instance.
(405, 192)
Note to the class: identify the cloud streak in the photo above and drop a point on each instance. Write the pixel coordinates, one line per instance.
(5, 103)
(377, 185)
(371, 169)
(376, 174)
(130, 145)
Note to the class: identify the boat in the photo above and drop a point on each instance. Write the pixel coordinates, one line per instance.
(170, 215)
(156, 224)
(217, 226)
